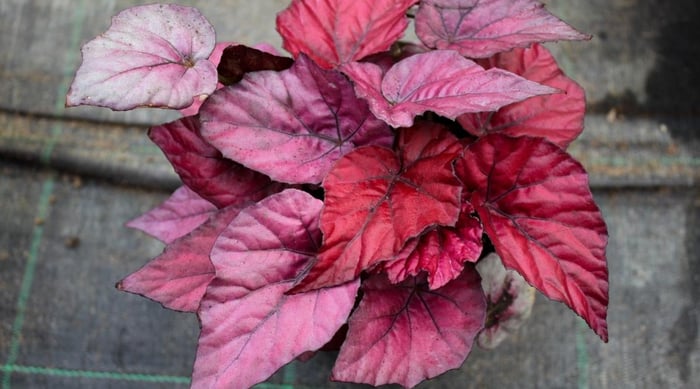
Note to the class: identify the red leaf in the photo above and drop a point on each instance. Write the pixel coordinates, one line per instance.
(291, 125)
(250, 326)
(152, 55)
(534, 201)
(440, 81)
(179, 277)
(202, 168)
(377, 199)
(557, 117)
(237, 60)
(175, 217)
(441, 252)
(407, 333)
(333, 32)
(482, 28)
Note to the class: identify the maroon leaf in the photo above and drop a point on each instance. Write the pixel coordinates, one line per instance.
(202, 168)
(440, 252)
(291, 125)
(179, 276)
(238, 60)
(557, 117)
(534, 201)
(440, 81)
(152, 55)
(333, 32)
(509, 299)
(250, 326)
(377, 199)
(407, 333)
(482, 28)
(177, 216)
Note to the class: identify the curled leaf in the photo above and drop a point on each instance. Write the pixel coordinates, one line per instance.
(407, 333)
(250, 326)
(482, 28)
(440, 81)
(237, 60)
(536, 206)
(153, 55)
(333, 32)
(291, 125)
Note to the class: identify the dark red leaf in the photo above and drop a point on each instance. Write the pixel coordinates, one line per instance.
(377, 199)
(333, 32)
(238, 60)
(291, 125)
(250, 326)
(179, 277)
(441, 81)
(557, 117)
(177, 216)
(202, 167)
(534, 201)
(441, 252)
(482, 28)
(407, 333)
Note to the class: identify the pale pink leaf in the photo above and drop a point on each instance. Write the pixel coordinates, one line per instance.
(557, 117)
(509, 297)
(179, 276)
(250, 327)
(333, 32)
(482, 28)
(440, 81)
(291, 125)
(177, 216)
(152, 55)
(407, 333)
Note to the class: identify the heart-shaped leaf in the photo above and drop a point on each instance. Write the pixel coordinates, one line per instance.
(534, 201)
(179, 276)
(202, 167)
(441, 252)
(333, 32)
(376, 199)
(177, 216)
(407, 333)
(482, 28)
(291, 125)
(250, 326)
(152, 55)
(441, 81)
(557, 117)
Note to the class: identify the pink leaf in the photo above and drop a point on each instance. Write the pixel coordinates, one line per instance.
(179, 277)
(177, 216)
(291, 125)
(440, 252)
(557, 117)
(204, 170)
(509, 297)
(407, 333)
(534, 201)
(250, 327)
(333, 32)
(482, 28)
(440, 81)
(377, 199)
(152, 55)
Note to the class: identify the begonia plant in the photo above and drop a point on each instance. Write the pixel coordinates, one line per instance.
(364, 190)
